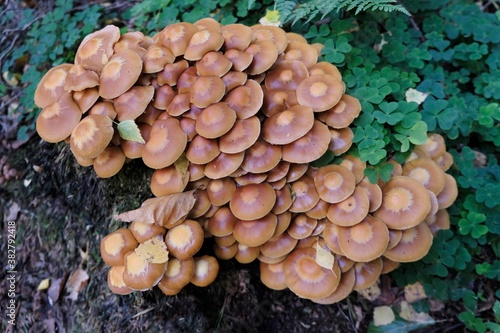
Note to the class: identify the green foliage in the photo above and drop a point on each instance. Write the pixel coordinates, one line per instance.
(294, 11)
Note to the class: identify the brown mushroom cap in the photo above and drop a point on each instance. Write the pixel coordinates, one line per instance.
(236, 36)
(334, 183)
(224, 165)
(388, 265)
(284, 220)
(133, 103)
(56, 122)
(345, 287)
(320, 92)
(171, 72)
(176, 37)
(240, 60)
(351, 210)
(288, 126)
(286, 75)
(91, 136)
(97, 48)
(168, 180)
(233, 79)
(220, 191)
(283, 200)
(269, 33)
(330, 235)
(166, 144)
(225, 252)
(341, 140)
(343, 113)
(296, 171)
(445, 161)
(215, 120)
(85, 99)
(302, 226)
(246, 100)
(367, 273)
(177, 274)
(109, 162)
(140, 274)
(394, 238)
(202, 150)
(255, 232)
(115, 281)
(355, 165)
(277, 100)
(207, 90)
(253, 201)
(302, 52)
(435, 145)
(405, 203)
(364, 241)
(306, 278)
(264, 54)
(222, 222)
(310, 147)
(202, 42)
(449, 193)
(261, 157)
(426, 172)
(324, 67)
(185, 239)
(414, 244)
(144, 231)
(374, 194)
(119, 74)
(278, 246)
(246, 254)
(306, 196)
(272, 275)
(115, 245)
(241, 136)
(439, 221)
(213, 64)
(80, 78)
(206, 269)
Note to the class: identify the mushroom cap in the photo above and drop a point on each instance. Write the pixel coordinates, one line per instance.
(388, 265)
(364, 241)
(215, 120)
(374, 194)
(163, 97)
(246, 254)
(220, 191)
(85, 99)
(176, 37)
(236, 36)
(306, 196)
(426, 172)
(233, 79)
(225, 252)
(156, 57)
(310, 147)
(435, 145)
(109, 162)
(345, 287)
(261, 157)
(351, 210)
(222, 222)
(445, 161)
(56, 122)
(241, 137)
(115, 245)
(177, 274)
(277, 100)
(295, 171)
(171, 72)
(439, 221)
(405, 203)
(367, 273)
(343, 113)
(206, 269)
(306, 278)
(179, 104)
(79, 78)
(286, 75)
(202, 42)
(284, 220)
(394, 238)
(334, 183)
(104, 108)
(213, 64)
(115, 281)
(208, 23)
(97, 48)
(144, 231)
(223, 165)
(119, 74)
(355, 165)
(264, 54)
(303, 52)
(133, 102)
(202, 150)
(253, 201)
(324, 67)
(283, 200)
(250, 178)
(331, 237)
(133, 149)
(278, 246)
(414, 244)
(166, 144)
(184, 240)
(140, 274)
(319, 211)
(449, 193)
(246, 100)
(320, 92)
(341, 140)
(270, 33)
(202, 204)
(207, 90)
(302, 226)
(272, 275)
(91, 136)
(225, 240)
(289, 125)
(168, 180)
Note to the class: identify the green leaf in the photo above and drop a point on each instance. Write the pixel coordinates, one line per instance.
(128, 130)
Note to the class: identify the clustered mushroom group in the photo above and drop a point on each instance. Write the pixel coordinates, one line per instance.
(239, 113)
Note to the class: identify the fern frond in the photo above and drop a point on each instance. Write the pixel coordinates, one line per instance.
(285, 8)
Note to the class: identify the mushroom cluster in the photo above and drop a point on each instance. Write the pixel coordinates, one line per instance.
(239, 113)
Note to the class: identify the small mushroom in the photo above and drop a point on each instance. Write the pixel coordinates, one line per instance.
(206, 269)
(91, 136)
(184, 240)
(115, 245)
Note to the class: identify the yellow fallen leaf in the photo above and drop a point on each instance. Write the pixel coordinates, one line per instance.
(166, 211)
(44, 284)
(153, 251)
(408, 313)
(383, 315)
(324, 258)
(414, 292)
(372, 292)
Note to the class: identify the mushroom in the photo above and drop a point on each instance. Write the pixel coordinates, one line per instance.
(253, 201)
(289, 125)
(426, 172)
(207, 90)
(185, 239)
(206, 269)
(414, 244)
(272, 275)
(241, 136)
(119, 74)
(109, 162)
(201, 42)
(255, 232)
(115, 281)
(334, 183)
(91, 136)
(215, 120)
(115, 245)
(310, 147)
(320, 92)
(166, 144)
(367, 273)
(168, 180)
(97, 48)
(236, 36)
(177, 274)
(57, 121)
(345, 287)
(145, 231)
(176, 37)
(140, 274)
(213, 64)
(351, 210)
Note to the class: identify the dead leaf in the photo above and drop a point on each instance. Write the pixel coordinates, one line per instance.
(153, 251)
(383, 315)
(324, 258)
(414, 292)
(56, 288)
(167, 211)
(371, 293)
(14, 209)
(182, 164)
(76, 282)
(44, 284)
(408, 313)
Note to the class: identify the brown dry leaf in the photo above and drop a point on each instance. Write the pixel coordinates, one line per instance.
(167, 211)
(408, 313)
(371, 293)
(383, 315)
(153, 251)
(76, 282)
(56, 288)
(414, 292)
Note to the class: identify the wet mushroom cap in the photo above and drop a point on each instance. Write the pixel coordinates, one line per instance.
(310, 147)
(252, 201)
(255, 232)
(241, 136)
(222, 222)
(426, 172)
(97, 48)
(166, 144)
(236, 36)
(215, 120)
(351, 210)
